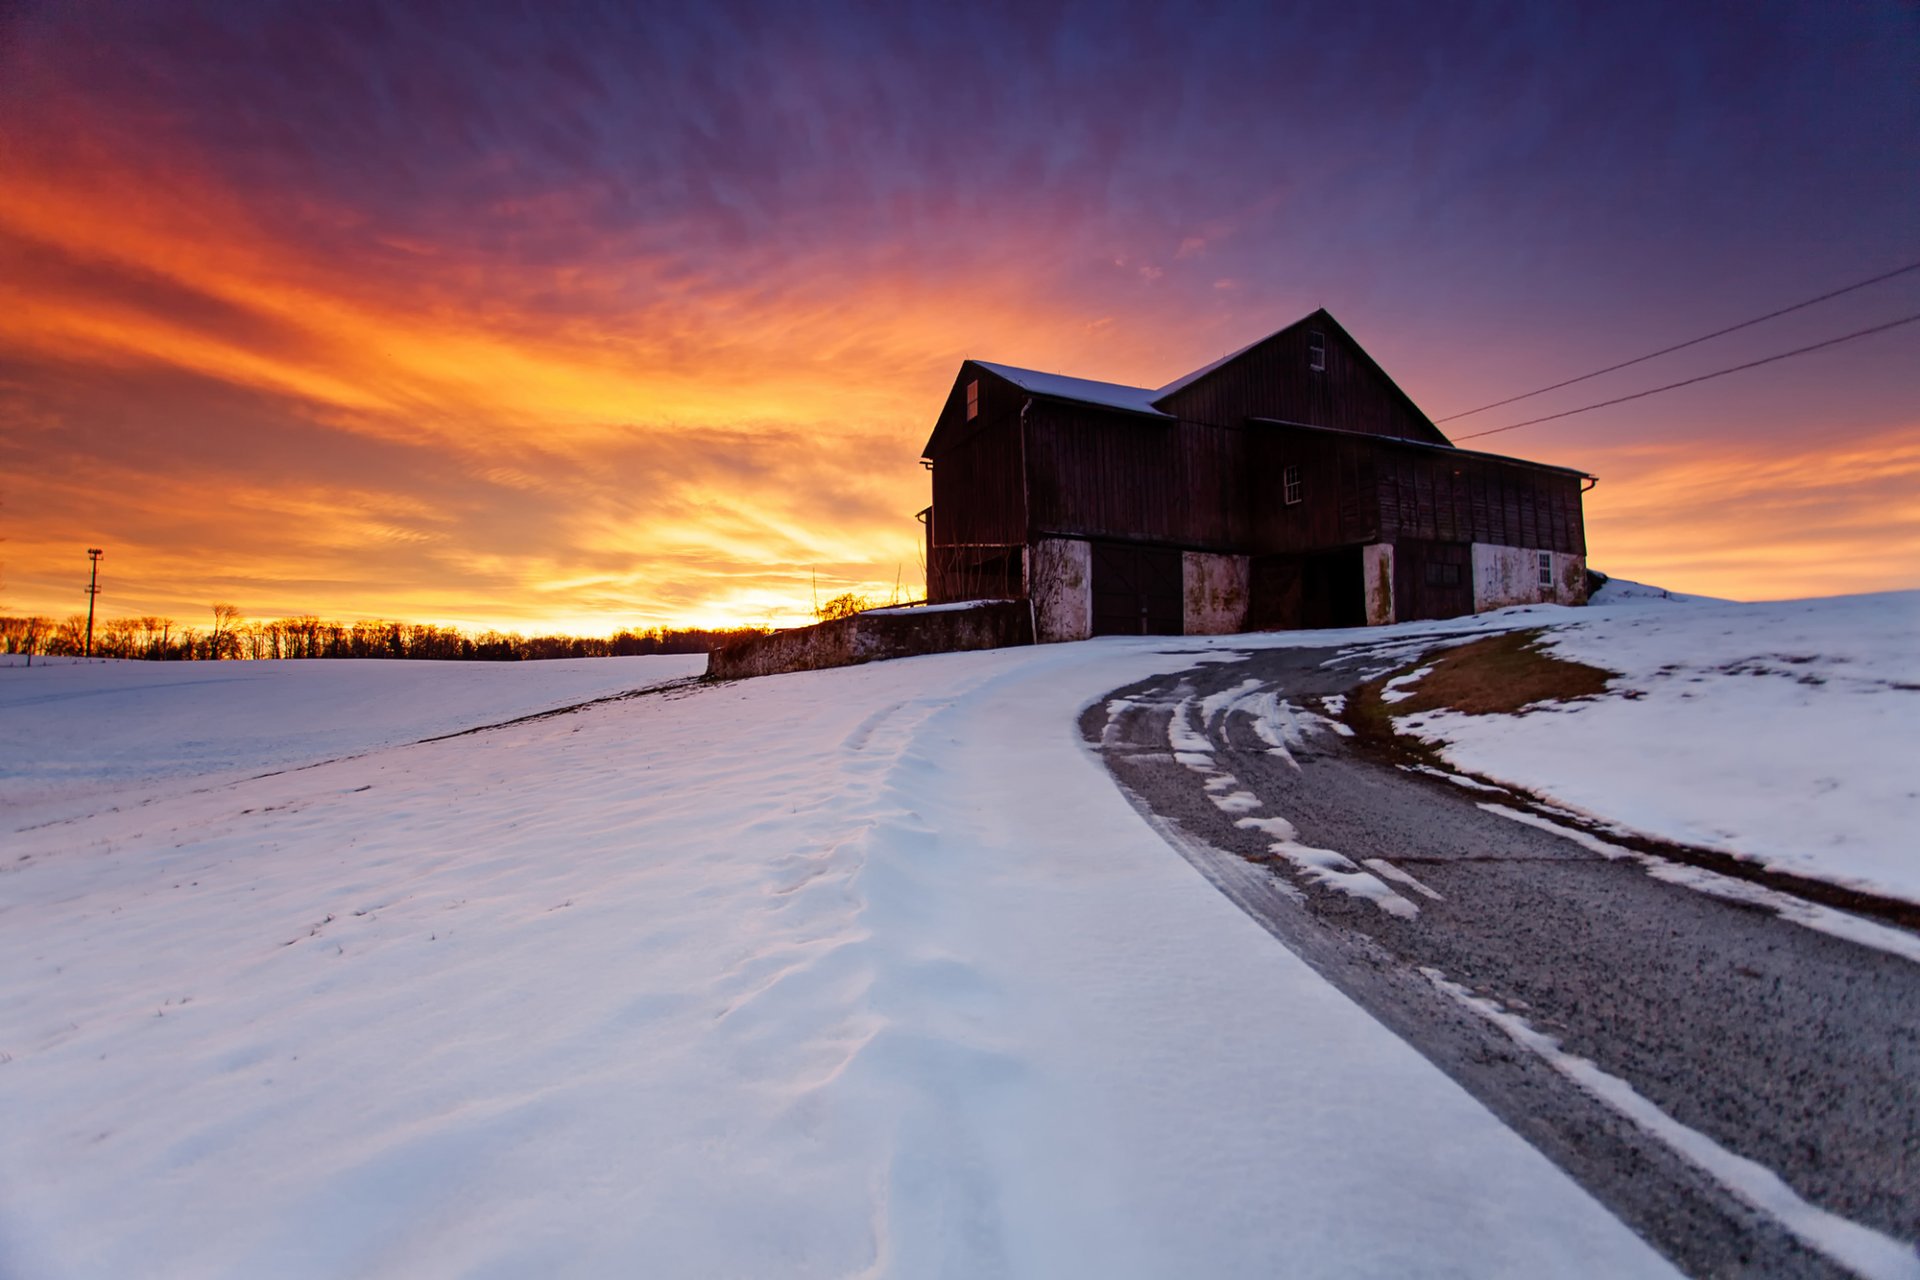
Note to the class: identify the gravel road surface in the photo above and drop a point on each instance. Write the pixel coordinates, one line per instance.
(1734, 1072)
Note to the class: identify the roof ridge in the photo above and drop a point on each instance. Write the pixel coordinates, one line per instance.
(998, 367)
(1187, 380)
(1062, 386)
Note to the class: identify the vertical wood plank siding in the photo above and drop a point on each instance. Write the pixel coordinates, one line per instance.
(977, 490)
(1339, 503)
(1274, 380)
(1454, 499)
(1121, 476)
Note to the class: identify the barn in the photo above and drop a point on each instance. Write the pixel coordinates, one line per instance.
(1289, 484)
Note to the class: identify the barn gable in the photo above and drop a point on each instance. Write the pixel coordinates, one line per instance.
(1004, 387)
(1312, 373)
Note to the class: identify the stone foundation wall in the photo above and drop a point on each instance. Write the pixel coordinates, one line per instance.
(871, 637)
(1376, 567)
(1060, 581)
(1216, 593)
(1505, 576)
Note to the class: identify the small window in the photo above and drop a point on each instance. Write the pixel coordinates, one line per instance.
(1290, 486)
(1442, 575)
(973, 400)
(1546, 568)
(1316, 350)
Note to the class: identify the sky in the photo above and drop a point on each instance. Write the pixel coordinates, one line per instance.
(577, 317)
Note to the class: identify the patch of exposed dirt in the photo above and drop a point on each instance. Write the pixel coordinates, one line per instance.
(1498, 676)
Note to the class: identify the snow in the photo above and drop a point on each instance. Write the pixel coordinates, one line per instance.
(1400, 688)
(1397, 874)
(1783, 732)
(73, 732)
(866, 971)
(1626, 591)
(952, 606)
(1112, 395)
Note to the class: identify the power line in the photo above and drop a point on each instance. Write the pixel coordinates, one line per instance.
(1718, 373)
(1680, 346)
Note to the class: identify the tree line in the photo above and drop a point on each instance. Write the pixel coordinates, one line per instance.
(232, 638)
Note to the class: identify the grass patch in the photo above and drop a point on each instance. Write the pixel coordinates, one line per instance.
(1498, 676)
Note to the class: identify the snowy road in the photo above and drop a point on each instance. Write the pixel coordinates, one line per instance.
(1736, 1073)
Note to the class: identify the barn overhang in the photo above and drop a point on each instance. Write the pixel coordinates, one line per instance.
(1429, 450)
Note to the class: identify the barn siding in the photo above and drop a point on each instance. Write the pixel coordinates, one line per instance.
(1441, 497)
(1339, 503)
(1274, 380)
(978, 494)
(1123, 476)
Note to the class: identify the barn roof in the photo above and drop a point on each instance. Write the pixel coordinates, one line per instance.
(1450, 450)
(1110, 395)
(1206, 369)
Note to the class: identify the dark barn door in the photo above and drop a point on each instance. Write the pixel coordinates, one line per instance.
(1319, 589)
(1137, 591)
(1432, 580)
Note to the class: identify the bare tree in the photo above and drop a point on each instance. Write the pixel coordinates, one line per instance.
(224, 640)
(69, 637)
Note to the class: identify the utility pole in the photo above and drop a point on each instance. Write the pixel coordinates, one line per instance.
(93, 591)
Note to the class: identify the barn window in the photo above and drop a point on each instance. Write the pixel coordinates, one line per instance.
(1442, 574)
(973, 400)
(1316, 350)
(1546, 568)
(1290, 486)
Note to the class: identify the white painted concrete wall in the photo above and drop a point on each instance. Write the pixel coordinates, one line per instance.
(1505, 576)
(1060, 583)
(1376, 566)
(1216, 593)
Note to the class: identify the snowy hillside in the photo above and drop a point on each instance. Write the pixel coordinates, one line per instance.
(1787, 732)
(74, 731)
(868, 971)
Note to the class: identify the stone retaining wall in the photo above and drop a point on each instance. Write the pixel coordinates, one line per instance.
(869, 637)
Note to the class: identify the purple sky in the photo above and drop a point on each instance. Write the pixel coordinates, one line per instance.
(588, 317)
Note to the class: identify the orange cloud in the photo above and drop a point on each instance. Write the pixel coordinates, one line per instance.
(268, 398)
(1752, 522)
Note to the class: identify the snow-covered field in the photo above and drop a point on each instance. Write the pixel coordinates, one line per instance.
(75, 733)
(1786, 732)
(856, 972)
(869, 971)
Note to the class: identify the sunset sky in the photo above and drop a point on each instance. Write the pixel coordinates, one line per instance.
(581, 317)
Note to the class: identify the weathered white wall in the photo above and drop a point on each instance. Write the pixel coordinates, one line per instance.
(1376, 565)
(1505, 576)
(1216, 593)
(1060, 583)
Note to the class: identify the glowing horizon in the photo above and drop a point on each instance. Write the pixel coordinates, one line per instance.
(576, 326)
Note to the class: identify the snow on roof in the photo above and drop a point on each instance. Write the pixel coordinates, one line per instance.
(1110, 394)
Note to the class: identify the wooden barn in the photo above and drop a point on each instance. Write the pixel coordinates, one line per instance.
(1290, 484)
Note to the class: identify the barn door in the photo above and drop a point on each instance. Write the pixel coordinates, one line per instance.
(1137, 591)
(1432, 580)
(1312, 590)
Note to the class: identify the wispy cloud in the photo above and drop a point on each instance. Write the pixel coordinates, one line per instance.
(639, 314)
